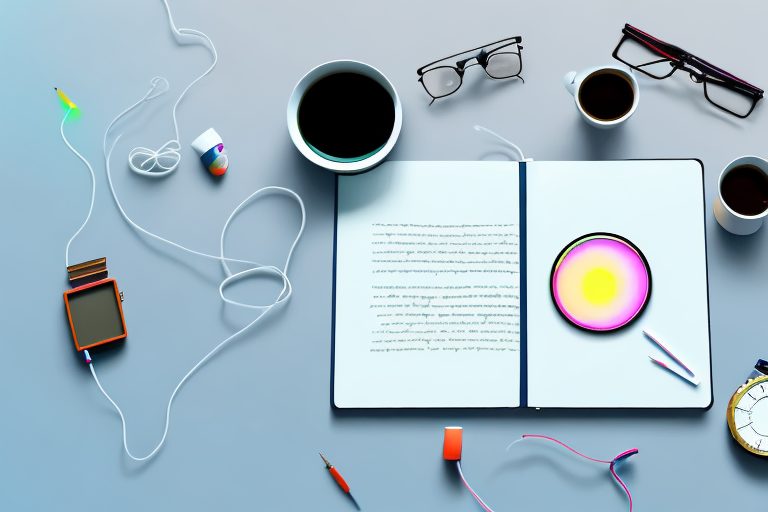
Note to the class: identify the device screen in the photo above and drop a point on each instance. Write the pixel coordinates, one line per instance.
(95, 314)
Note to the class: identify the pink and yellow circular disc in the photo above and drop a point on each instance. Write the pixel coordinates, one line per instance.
(601, 282)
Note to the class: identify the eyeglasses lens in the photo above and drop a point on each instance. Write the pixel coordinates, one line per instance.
(441, 81)
(642, 57)
(727, 98)
(503, 65)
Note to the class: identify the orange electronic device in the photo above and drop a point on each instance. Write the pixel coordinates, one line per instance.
(94, 306)
(452, 443)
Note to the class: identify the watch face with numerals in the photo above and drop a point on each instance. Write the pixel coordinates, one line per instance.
(748, 416)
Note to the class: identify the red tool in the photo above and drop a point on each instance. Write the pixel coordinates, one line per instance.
(336, 475)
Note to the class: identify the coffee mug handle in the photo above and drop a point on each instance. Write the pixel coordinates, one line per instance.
(569, 81)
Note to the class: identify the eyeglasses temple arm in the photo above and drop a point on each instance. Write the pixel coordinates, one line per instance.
(658, 44)
(724, 74)
(640, 34)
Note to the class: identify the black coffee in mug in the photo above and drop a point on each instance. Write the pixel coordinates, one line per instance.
(745, 190)
(346, 117)
(606, 95)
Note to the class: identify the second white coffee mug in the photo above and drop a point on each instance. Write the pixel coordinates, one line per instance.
(574, 81)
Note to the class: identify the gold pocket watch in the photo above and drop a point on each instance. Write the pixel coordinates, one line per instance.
(748, 412)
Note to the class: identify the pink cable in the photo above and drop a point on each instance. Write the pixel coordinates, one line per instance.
(622, 484)
(611, 463)
(612, 466)
(539, 436)
(472, 491)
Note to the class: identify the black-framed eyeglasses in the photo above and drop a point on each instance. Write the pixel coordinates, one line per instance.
(657, 59)
(500, 60)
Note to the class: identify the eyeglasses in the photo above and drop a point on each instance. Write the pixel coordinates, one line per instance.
(500, 60)
(659, 60)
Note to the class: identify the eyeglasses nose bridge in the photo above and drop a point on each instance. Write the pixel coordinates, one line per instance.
(462, 65)
(482, 58)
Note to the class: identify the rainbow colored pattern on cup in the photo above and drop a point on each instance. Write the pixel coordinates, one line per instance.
(210, 148)
(601, 282)
(215, 160)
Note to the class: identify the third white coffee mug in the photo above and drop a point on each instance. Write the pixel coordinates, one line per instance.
(573, 81)
(731, 220)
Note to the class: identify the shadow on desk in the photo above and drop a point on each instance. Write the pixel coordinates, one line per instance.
(737, 249)
(479, 90)
(751, 466)
(520, 415)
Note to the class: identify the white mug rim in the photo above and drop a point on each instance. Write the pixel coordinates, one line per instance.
(763, 166)
(325, 69)
(635, 93)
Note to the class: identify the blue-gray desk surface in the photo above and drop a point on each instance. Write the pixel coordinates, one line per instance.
(246, 430)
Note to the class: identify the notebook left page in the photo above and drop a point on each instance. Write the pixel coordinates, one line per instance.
(426, 289)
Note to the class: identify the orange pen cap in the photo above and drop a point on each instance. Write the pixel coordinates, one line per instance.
(452, 443)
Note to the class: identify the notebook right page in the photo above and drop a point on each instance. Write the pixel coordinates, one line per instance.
(658, 205)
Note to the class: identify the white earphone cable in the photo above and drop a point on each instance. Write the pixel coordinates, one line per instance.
(156, 163)
(167, 158)
(502, 139)
(282, 297)
(93, 183)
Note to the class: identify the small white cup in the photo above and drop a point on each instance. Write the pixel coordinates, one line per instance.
(573, 80)
(729, 219)
(331, 68)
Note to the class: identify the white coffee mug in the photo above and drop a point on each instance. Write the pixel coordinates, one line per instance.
(330, 68)
(574, 80)
(727, 217)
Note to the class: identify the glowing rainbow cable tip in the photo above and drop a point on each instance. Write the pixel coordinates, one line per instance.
(65, 99)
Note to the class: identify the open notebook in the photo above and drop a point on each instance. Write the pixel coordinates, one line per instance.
(441, 285)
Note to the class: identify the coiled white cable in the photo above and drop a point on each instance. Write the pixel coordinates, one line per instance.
(152, 93)
(281, 298)
(159, 86)
(256, 268)
(156, 163)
